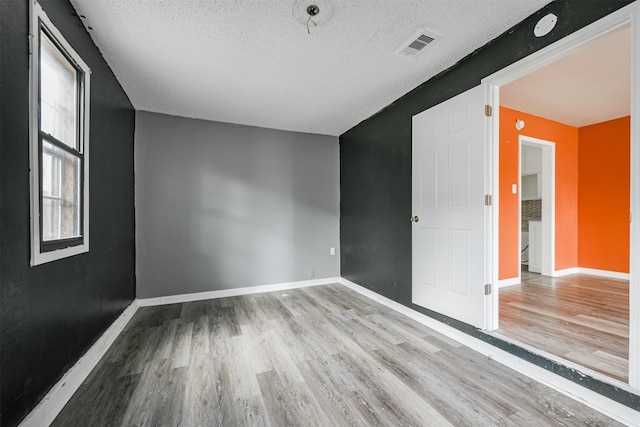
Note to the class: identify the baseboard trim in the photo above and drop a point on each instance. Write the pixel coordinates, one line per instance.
(566, 272)
(50, 406)
(604, 273)
(592, 272)
(508, 282)
(199, 296)
(609, 407)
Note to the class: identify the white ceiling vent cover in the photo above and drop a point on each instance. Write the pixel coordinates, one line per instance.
(417, 44)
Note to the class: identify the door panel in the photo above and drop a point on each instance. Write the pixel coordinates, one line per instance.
(429, 182)
(448, 197)
(429, 256)
(459, 177)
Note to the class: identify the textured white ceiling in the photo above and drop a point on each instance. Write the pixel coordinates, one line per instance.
(251, 62)
(591, 85)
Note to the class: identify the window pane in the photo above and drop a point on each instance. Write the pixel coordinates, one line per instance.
(58, 94)
(60, 193)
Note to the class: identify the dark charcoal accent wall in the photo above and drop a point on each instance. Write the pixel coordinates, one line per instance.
(375, 169)
(51, 314)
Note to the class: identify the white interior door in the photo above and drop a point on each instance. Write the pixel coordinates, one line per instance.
(448, 238)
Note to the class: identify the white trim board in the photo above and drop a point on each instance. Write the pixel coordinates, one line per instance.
(634, 255)
(591, 272)
(566, 272)
(600, 403)
(50, 406)
(604, 273)
(503, 283)
(199, 296)
(548, 192)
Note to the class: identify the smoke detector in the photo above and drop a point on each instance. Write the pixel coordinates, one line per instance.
(417, 44)
(545, 25)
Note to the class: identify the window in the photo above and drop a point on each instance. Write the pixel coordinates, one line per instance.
(59, 144)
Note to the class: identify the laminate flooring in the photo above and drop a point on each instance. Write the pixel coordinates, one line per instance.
(318, 356)
(581, 318)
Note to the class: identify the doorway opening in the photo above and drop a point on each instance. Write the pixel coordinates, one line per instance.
(536, 206)
(577, 305)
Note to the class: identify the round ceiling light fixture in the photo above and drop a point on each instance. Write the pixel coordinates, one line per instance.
(312, 13)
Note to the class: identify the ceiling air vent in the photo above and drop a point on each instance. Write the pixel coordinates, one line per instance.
(416, 44)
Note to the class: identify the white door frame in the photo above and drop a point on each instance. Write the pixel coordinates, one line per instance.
(548, 184)
(629, 14)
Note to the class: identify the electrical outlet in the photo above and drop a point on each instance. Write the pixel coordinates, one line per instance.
(332, 251)
(312, 273)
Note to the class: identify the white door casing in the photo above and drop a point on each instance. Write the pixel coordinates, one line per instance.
(547, 239)
(448, 188)
(629, 14)
(535, 246)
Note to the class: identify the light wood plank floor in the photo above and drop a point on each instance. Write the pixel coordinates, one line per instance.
(320, 356)
(581, 318)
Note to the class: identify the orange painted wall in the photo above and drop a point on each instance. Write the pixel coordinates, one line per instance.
(566, 139)
(603, 195)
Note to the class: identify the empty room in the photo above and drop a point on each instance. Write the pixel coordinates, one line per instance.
(313, 213)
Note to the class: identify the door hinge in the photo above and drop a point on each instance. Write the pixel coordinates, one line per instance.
(488, 110)
(487, 199)
(487, 289)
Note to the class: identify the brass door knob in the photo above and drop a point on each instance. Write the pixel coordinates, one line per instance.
(415, 218)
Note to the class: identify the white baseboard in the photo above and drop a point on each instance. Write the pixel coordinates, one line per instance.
(50, 406)
(199, 296)
(508, 282)
(600, 403)
(592, 272)
(565, 272)
(604, 273)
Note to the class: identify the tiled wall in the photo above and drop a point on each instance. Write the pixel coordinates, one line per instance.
(531, 211)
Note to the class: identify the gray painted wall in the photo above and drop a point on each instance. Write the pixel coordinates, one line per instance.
(222, 206)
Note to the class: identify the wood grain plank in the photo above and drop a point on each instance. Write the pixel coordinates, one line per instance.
(383, 389)
(244, 365)
(312, 357)
(99, 402)
(169, 410)
(280, 409)
(181, 352)
(251, 412)
(581, 318)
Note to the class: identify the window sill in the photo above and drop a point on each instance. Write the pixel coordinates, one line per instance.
(38, 257)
